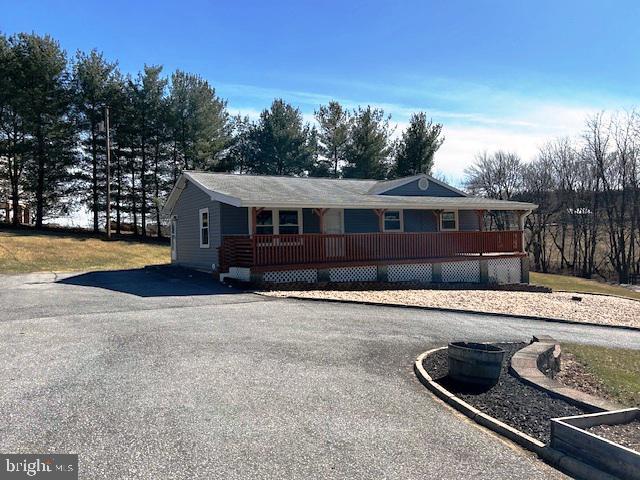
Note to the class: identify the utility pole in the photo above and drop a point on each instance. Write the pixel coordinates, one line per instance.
(106, 123)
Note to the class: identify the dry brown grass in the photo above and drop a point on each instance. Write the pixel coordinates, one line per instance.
(23, 252)
(568, 283)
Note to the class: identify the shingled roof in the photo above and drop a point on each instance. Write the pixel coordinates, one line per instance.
(304, 192)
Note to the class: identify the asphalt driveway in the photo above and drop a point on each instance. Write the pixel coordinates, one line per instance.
(149, 375)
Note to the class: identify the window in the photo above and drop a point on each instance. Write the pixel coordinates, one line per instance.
(288, 222)
(264, 222)
(279, 222)
(392, 221)
(204, 228)
(449, 221)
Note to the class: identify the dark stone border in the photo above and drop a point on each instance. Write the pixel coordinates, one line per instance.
(553, 457)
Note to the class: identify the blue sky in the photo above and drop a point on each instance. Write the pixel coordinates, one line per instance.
(497, 74)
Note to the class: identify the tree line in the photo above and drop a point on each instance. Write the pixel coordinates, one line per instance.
(588, 191)
(53, 148)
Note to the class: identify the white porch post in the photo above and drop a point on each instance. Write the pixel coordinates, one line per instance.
(522, 215)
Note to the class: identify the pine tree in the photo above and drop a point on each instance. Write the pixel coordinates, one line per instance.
(14, 144)
(333, 122)
(148, 91)
(367, 150)
(199, 122)
(122, 140)
(47, 115)
(416, 148)
(241, 151)
(281, 142)
(95, 85)
(125, 148)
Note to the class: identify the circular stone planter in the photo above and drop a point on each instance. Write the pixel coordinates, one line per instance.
(475, 363)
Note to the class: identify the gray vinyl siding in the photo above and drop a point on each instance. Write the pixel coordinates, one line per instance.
(468, 220)
(425, 221)
(234, 220)
(420, 221)
(187, 213)
(366, 221)
(360, 221)
(411, 189)
(310, 221)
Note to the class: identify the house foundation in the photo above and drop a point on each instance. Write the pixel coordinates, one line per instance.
(486, 270)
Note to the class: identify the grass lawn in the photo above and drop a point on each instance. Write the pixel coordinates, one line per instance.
(618, 369)
(582, 285)
(24, 251)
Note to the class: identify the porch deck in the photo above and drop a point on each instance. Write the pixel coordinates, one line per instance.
(281, 252)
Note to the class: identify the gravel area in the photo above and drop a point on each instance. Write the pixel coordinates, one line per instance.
(510, 401)
(627, 435)
(606, 310)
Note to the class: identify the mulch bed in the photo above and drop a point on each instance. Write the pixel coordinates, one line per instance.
(627, 434)
(510, 401)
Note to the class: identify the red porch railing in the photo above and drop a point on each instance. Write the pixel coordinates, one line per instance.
(318, 249)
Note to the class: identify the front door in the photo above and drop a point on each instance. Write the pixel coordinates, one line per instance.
(334, 225)
(174, 247)
(334, 221)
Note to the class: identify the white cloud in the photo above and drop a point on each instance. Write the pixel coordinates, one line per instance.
(523, 135)
(476, 118)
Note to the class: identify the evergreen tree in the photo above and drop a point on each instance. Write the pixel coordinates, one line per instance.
(95, 85)
(123, 136)
(200, 124)
(47, 116)
(416, 148)
(149, 106)
(333, 121)
(367, 150)
(281, 142)
(241, 152)
(14, 144)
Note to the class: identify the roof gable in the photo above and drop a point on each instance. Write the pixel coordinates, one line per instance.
(411, 186)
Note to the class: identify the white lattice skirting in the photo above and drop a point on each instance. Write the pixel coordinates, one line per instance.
(499, 270)
(461, 272)
(354, 274)
(291, 276)
(239, 273)
(504, 270)
(413, 272)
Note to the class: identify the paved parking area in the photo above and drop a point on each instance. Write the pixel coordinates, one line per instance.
(148, 374)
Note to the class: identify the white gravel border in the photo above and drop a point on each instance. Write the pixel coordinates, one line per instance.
(600, 309)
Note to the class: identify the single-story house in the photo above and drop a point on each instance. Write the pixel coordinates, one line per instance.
(290, 229)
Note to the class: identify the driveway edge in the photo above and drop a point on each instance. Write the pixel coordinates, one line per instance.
(553, 457)
(454, 310)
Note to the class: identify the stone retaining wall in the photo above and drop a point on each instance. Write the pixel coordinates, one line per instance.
(539, 362)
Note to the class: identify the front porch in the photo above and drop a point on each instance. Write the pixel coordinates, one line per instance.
(471, 256)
